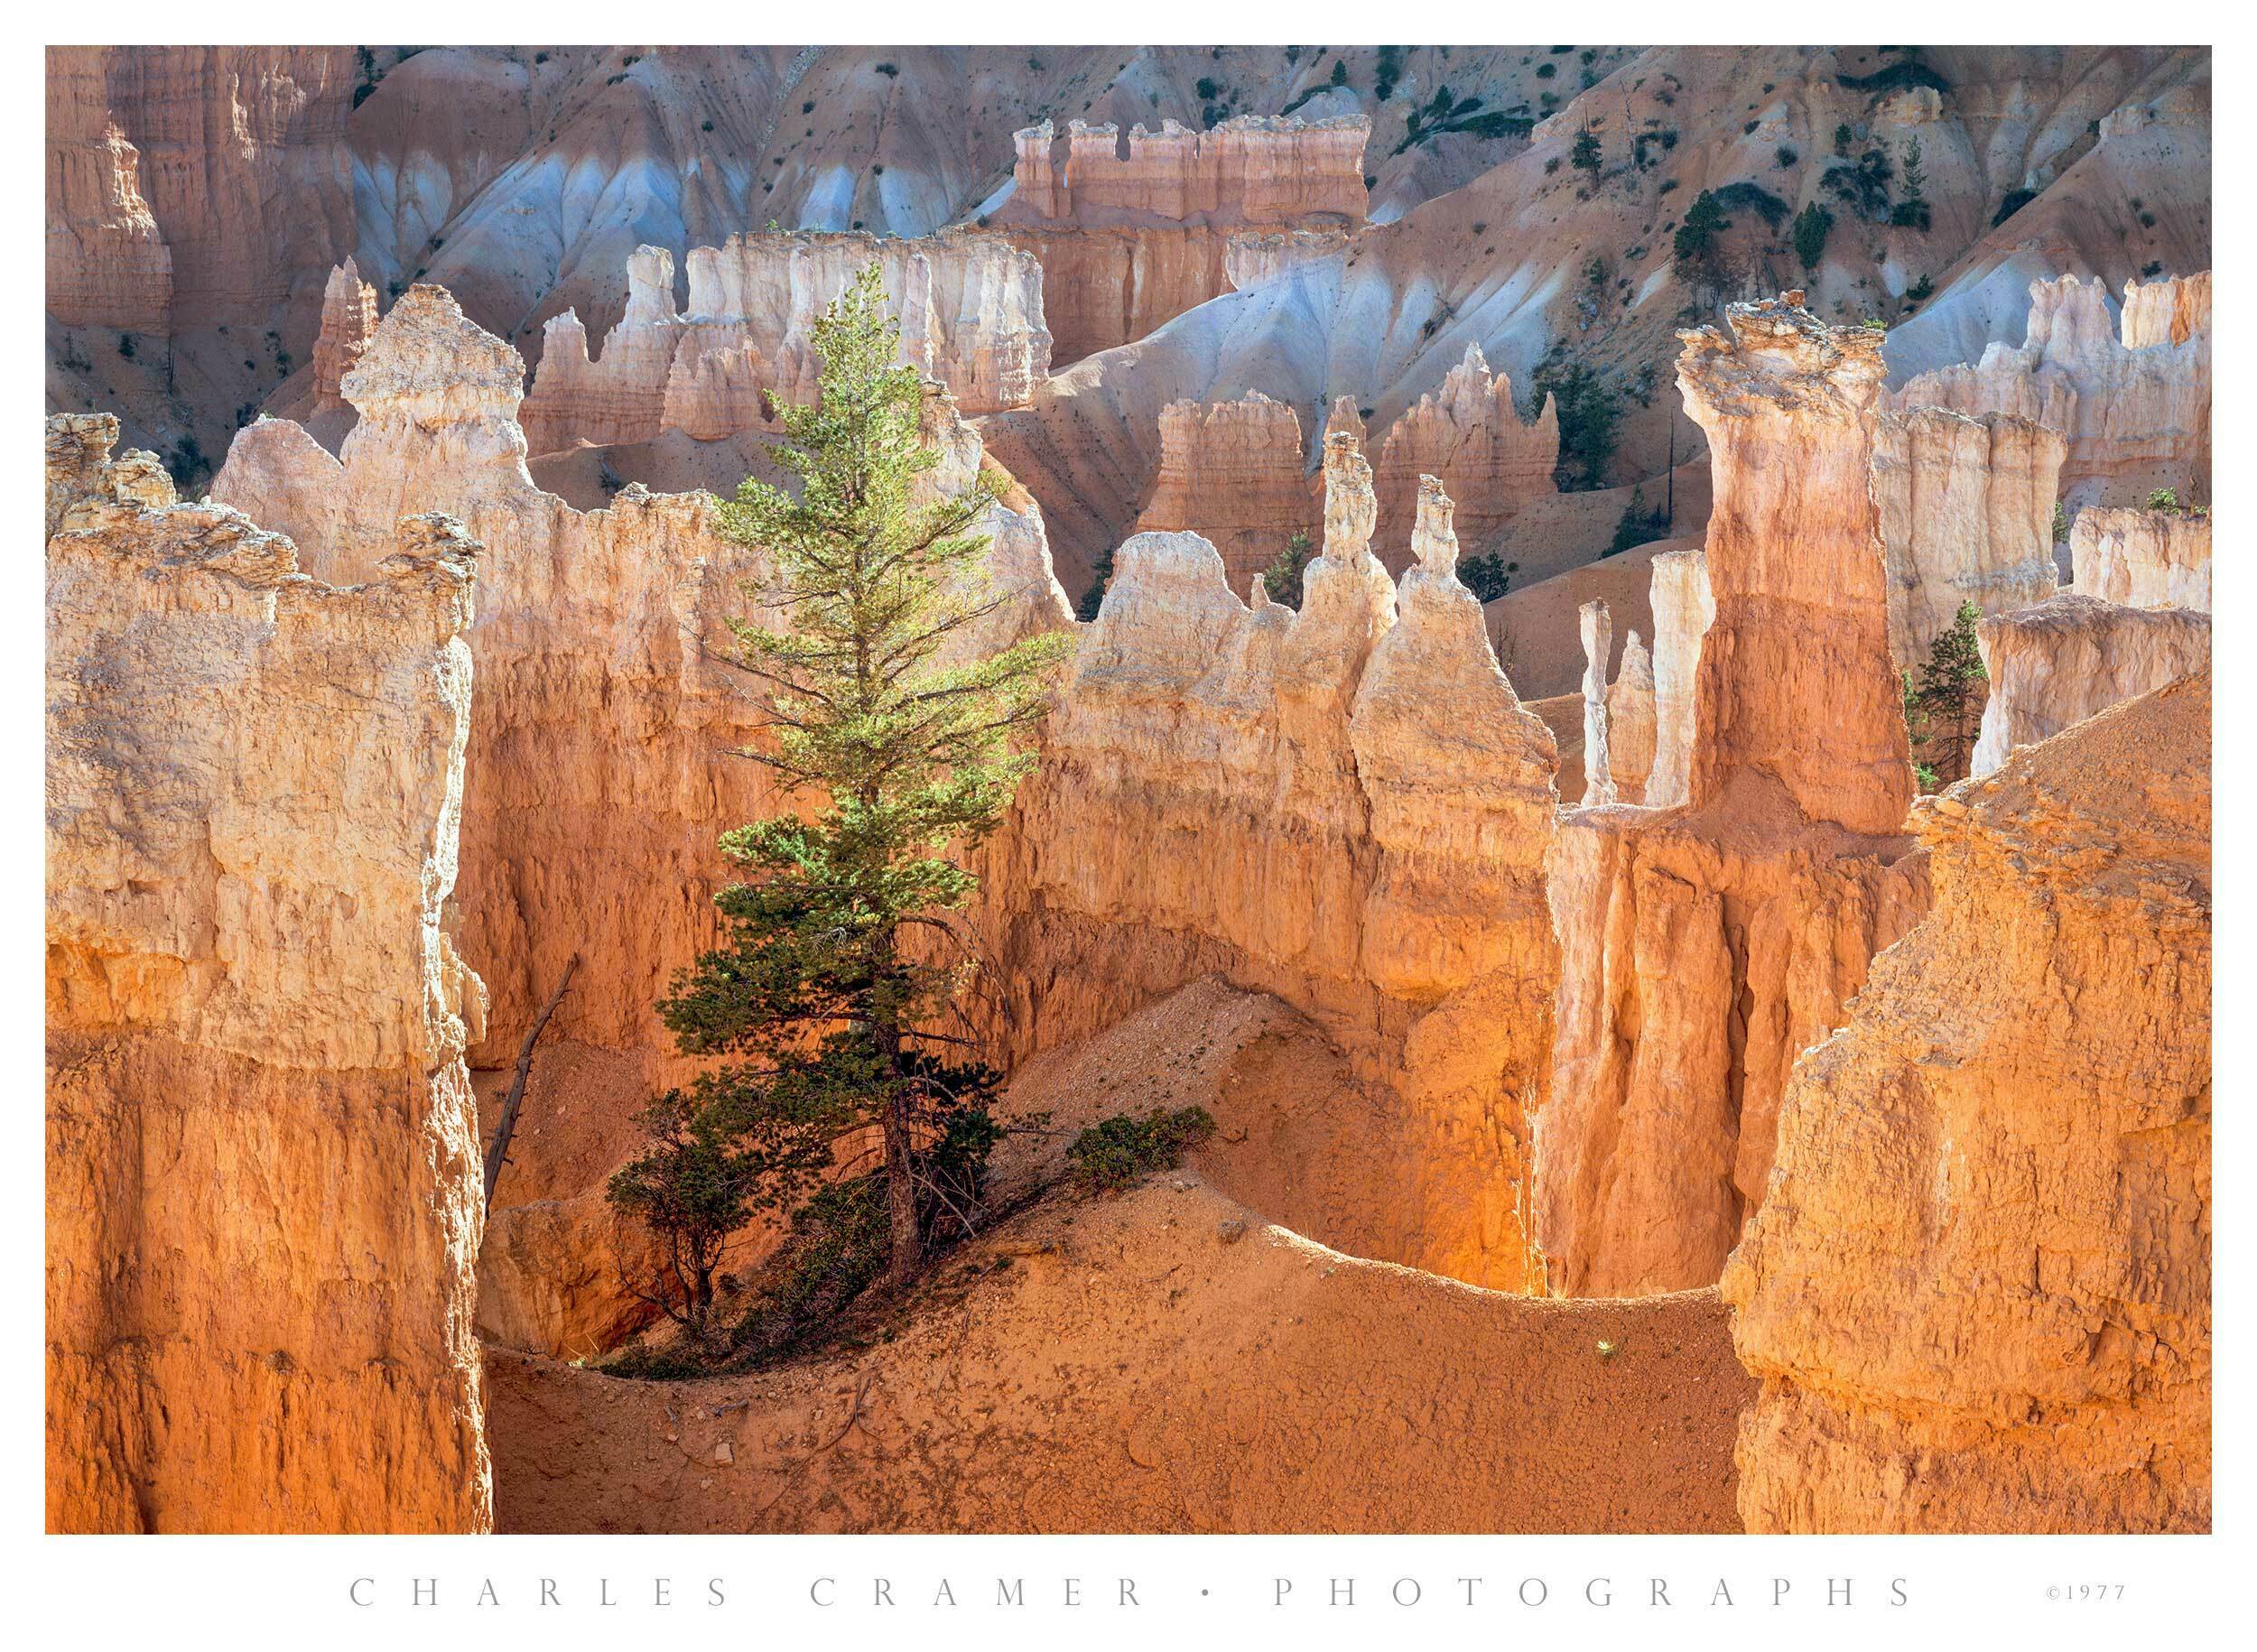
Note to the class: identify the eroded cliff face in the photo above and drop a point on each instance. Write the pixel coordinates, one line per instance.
(150, 223)
(1966, 516)
(1347, 807)
(263, 1160)
(599, 773)
(1233, 473)
(970, 306)
(1701, 947)
(2135, 408)
(2064, 660)
(1132, 232)
(1467, 433)
(1978, 1294)
(2142, 558)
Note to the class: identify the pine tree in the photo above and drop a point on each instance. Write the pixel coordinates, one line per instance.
(1282, 578)
(1586, 156)
(902, 742)
(1949, 700)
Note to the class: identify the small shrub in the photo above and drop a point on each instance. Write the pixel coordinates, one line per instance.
(705, 126)
(2163, 499)
(889, 71)
(1544, 72)
(1842, 136)
(1115, 1154)
(1785, 156)
(2151, 269)
(1488, 577)
(1910, 215)
(1206, 88)
(1919, 291)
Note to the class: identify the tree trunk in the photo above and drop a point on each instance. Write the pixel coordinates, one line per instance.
(497, 1153)
(901, 1186)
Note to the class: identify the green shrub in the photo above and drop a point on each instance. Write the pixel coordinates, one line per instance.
(1813, 224)
(1115, 1153)
(1589, 410)
(2163, 499)
(1488, 577)
(1756, 199)
(1894, 77)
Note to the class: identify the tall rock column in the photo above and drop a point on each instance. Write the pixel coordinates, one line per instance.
(262, 1168)
(1979, 1294)
(1682, 607)
(1703, 947)
(1631, 723)
(1598, 642)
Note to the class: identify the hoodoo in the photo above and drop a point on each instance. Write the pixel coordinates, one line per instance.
(1701, 948)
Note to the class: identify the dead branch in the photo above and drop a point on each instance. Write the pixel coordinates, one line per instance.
(497, 1154)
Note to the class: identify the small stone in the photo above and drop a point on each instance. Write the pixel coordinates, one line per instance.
(724, 1453)
(1231, 1231)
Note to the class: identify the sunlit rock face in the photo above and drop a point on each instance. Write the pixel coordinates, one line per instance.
(2135, 407)
(1966, 516)
(1346, 806)
(262, 1152)
(1703, 945)
(970, 306)
(2064, 660)
(2141, 558)
(1631, 725)
(1978, 1295)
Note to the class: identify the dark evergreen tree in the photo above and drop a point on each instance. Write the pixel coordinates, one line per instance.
(903, 743)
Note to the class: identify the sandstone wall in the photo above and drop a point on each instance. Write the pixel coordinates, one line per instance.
(2062, 661)
(1978, 1294)
(2135, 409)
(1346, 807)
(1966, 516)
(262, 1162)
(1233, 472)
(969, 304)
(1254, 169)
(2145, 559)
(153, 223)
(1701, 947)
(1131, 234)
